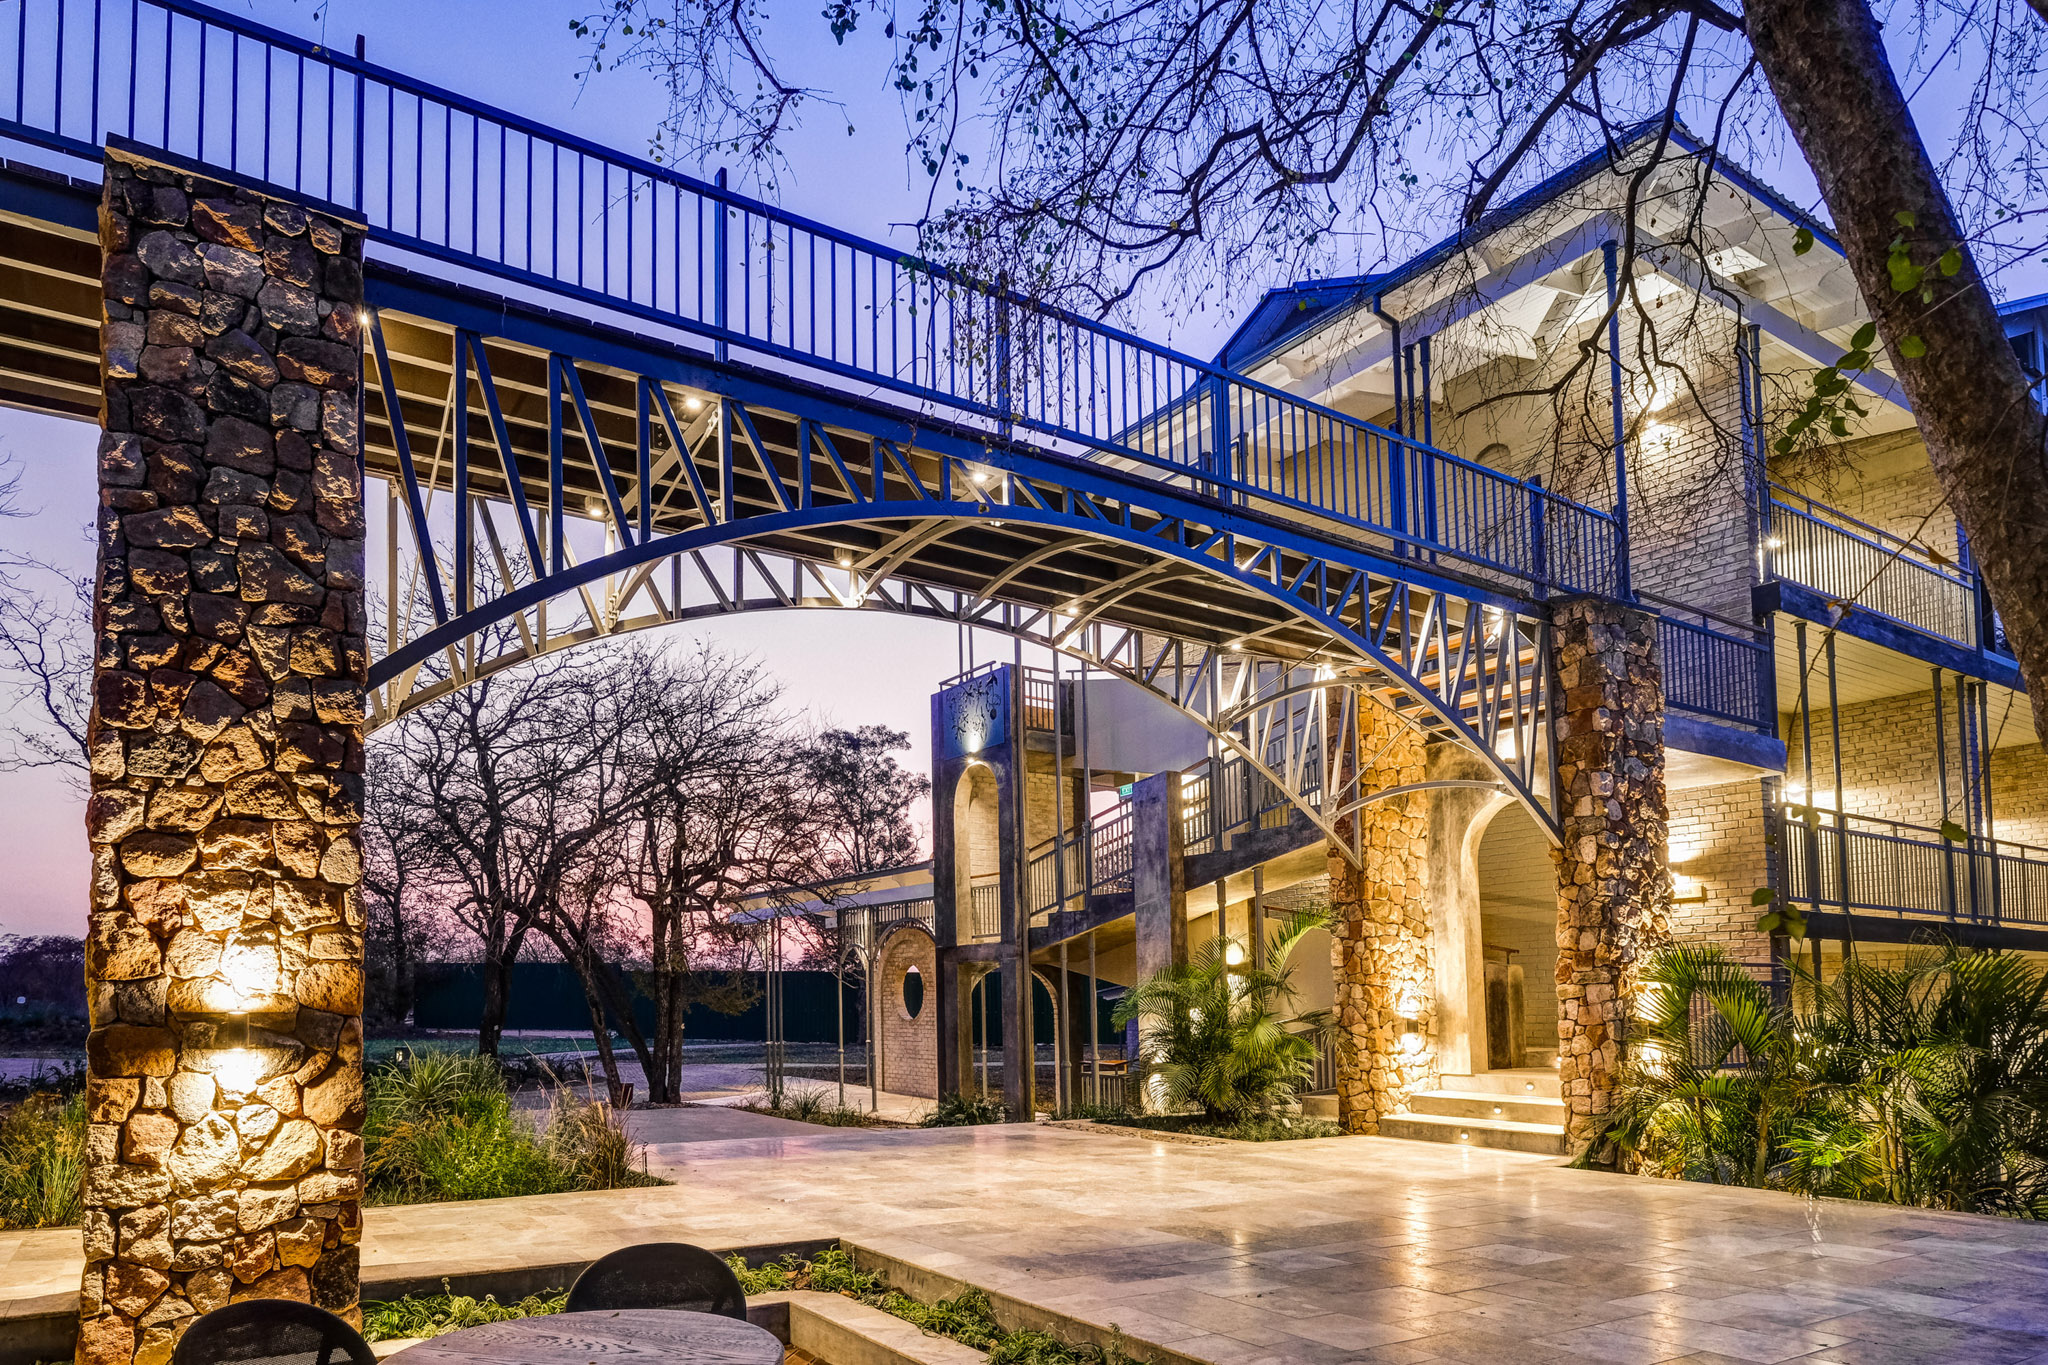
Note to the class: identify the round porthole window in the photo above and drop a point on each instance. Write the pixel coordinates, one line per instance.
(913, 992)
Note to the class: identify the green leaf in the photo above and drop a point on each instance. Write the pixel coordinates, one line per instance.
(1802, 241)
(1904, 218)
(1912, 348)
(1865, 334)
(1905, 275)
(1954, 832)
(1763, 895)
(1768, 924)
(1951, 260)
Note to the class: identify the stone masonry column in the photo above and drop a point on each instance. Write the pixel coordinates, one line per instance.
(224, 958)
(1379, 933)
(1613, 873)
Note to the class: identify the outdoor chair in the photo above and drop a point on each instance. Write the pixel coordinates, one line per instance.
(274, 1332)
(659, 1275)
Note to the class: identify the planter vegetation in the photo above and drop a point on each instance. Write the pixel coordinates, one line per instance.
(444, 1128)
(1920, 1080)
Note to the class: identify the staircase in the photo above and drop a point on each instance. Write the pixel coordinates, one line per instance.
(1514, 1111)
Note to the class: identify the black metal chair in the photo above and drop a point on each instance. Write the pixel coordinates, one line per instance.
(659, 1275)
(273, 1332)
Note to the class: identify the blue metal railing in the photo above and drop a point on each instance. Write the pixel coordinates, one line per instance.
(1867, 863)
(1714, 667)
(440, 175)
(1847, 560)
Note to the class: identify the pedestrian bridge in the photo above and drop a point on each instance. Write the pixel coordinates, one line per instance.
(602, 395)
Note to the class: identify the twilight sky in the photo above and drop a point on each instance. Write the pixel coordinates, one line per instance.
(845, 669)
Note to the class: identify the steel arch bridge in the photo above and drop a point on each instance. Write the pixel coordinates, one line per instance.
(599, 388)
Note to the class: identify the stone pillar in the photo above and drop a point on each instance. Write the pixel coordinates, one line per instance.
(224, 959)
(1613, 877)
(1380, 934)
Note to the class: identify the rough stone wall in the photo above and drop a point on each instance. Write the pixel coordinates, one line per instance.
(224, 960)
(1613, 883)
(1379, 938)
(1718, 849)
(910, 1043)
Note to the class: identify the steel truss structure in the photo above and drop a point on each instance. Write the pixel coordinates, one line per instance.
(698, 489)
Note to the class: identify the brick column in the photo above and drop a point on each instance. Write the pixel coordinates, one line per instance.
(1379, 933)
(1613, 876)
(224, 961)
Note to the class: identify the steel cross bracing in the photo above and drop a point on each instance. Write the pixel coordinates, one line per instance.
(668, 489)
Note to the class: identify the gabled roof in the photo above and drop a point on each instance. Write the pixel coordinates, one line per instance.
(1286, 313)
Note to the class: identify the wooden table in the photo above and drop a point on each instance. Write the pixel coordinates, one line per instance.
(647, 1336)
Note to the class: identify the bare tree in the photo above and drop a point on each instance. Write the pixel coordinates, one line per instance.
(400, 892)
(727, 809)
(45, 653)
(509, 785)
(1165, 148)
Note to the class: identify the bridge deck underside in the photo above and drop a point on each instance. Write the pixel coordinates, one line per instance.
(856, 517)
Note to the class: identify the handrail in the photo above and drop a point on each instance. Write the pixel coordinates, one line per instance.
(1862, 530)
(1833, 553)
(451, 178)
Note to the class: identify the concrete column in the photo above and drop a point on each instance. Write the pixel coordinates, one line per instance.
(1613, 875)
(1380, 934)
(225, 955)
(1159, 890)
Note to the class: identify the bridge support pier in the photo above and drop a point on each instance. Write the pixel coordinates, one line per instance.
(1159, 891)
(224, 958)
(1613, 874)
(1380, 934)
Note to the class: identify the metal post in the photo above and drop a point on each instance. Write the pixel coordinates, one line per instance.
(839, 999)
(359, 132)
(1539, 540)
(1621, 565)
(1809, 819)
(1984, 748)
(1841, 805)
(1948, 846)
(1966, 754)
(1094, 1031)
(1258, 918)
(721, 251)
(1063, 1031)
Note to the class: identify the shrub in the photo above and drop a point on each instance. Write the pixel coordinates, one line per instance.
(42, 1162)
(1212, 1035)
(810, 1105)
(443, 1127)
(429, 1315)
(1919, 1082)
(964, 1111)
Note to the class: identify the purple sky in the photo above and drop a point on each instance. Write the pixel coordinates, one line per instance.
(843, 669)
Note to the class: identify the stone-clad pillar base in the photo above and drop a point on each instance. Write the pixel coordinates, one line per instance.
(1613, 871)
(1380, 936)
(224, 959)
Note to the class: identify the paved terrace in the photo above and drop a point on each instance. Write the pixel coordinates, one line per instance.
(1361, 1249)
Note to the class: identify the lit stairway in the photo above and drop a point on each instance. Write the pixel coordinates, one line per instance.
(1515, 1111)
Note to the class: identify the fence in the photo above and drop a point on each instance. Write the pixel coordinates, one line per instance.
(1713, 667)
(443, 176)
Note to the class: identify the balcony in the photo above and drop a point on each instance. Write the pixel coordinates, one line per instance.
(1865, 864)
(1844, 560)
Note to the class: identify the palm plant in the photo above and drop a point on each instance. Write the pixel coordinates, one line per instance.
(1719, 1071)
(1919, 1081)
(1212, 1033)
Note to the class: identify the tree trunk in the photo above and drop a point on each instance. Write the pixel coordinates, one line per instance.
(1826, 63)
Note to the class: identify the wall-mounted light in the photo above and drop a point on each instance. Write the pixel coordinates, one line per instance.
(1233, 955)
(693, 404)
(1687, 890)
(1411, 1037)
(594, 506)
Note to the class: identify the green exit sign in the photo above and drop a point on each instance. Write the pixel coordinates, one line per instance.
(1125, 789)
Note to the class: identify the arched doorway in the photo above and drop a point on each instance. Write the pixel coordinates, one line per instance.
(977, 855)
(1517, 884)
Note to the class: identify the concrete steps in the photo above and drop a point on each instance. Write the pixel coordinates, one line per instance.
(1513, 1111)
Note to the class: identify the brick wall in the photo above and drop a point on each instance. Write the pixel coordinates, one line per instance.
(910, 1043)
(1717, 849)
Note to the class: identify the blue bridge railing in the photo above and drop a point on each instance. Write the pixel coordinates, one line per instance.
(437, 174)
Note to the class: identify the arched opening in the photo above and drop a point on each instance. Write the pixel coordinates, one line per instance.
(977, 850)
(912, 992)
(1518, 937)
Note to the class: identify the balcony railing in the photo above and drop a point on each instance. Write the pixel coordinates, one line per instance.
(447, 177)
(1863, 863)
(985, 901)
(1714, 667)
(1851, 561)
